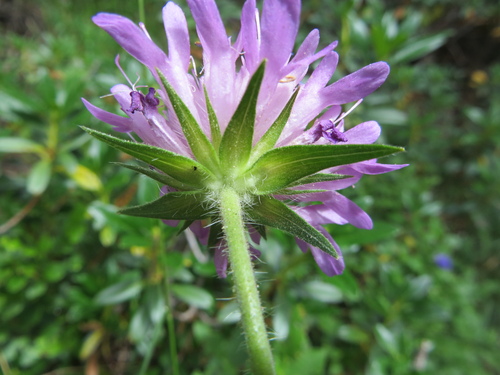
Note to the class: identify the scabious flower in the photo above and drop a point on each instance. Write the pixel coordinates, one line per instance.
(249, 119)
(443, 261)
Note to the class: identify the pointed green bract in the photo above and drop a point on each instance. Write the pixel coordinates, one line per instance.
(272, 135)
(200, 145)
(236, 142)
(185, 205)
(273, 213)
(318, 177)
(298, 192)
(181, 168)
(214, 123)
(282, 166)
(157, 176)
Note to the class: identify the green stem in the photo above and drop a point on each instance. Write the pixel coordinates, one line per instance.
(244, 283)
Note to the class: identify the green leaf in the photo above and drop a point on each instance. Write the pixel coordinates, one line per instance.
(157, 176)
(185, 205)
(283, 166)
(183, 169)
(237, 140)
(14, 144)
(39, 177)
(272, 135)
(119, 292)
(214, 123)
(414, 50)
(321, 291)
(386, 340)
(273, 213)
(193, 295)
(91, 343)
(202, 149)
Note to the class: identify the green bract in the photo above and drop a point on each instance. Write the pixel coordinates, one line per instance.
(229, 160)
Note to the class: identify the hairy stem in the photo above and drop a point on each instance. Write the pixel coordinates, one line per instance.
(244, 283)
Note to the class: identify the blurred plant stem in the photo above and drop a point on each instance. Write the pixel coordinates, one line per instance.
(257, 342)
(142, 14)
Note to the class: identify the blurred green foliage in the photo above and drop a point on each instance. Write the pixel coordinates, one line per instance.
(86, 291)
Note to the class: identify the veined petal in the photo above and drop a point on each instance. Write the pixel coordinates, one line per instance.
(328, 264)
(218, 59)
(220, 259)
(119, 123)
(356, 85)
(132, 39)
(364, 133)
(280, 23)
(372, 167)
(248, 36)
(177, 33)
(349, 211)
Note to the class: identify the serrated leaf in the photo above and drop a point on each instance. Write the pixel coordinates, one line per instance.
(236, 143)
(282, 166)
(183, 169)
(273, 213)
(184, 205)
(200, 145)
(214, 123)
(157, 176)
(272, 135)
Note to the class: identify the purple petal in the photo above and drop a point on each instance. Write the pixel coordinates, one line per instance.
(364, 133)
(327, 263)
(357, 85)
(119, 123)
(350, 211)
(220, 259)
(132, 39)
(279, 25)
(247, 37)
(177, 35)
(218, 59)
(372, 167)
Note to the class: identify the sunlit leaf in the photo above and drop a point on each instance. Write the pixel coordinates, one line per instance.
(283, 166)
(181, 168)
(174, 206)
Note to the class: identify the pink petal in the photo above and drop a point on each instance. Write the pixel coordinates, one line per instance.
(177, 35)
(357, 85)
(120, 123)
(364, 133)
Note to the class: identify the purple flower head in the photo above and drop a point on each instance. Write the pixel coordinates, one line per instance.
(193, 121)
(443, 261)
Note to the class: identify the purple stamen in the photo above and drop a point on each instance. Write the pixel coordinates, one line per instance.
(136, 102)
(328, 130)
(151, 100)
(143, 103)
